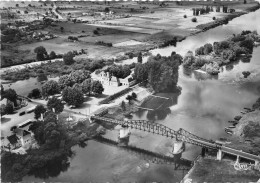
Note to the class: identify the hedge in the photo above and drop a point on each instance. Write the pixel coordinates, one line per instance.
(115, 96)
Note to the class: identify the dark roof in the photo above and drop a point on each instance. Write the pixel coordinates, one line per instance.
(13, 139)
(21, 132)
(25, 132)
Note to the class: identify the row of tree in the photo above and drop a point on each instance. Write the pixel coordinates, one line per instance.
(73, 87)
(119, 71)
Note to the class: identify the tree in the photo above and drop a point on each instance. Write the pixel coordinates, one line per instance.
(10, 94)
(129, 98)
(208, 48)
(2, 109)
(79, 76)
(86, 86)
(97, 87)
(72, 96)
(194, 19)
(95, 32)
(2, 92)
(50, 117)
(68, 58)
(42, 77)
(247, 43)
(9, 109)
(228, 55)
(35, 93)
(107, 10)
(256, 105)
(50, 88)
(39, 110)
(199, 51)
(123, 106)
(41, 53)
(140, 73)
(65, 80)
(189, 59)
(53, 55)
(134, 95)
(56, 104)
(140, 58)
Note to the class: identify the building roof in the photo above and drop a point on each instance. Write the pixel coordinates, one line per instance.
(114, 79)
(21, 132)
(13, 139)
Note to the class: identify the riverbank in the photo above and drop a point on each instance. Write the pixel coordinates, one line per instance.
(208, 169)
(225, 20)
(245, 137)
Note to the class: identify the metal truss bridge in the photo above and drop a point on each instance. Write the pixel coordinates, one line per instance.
(180, 135)
(159, 129)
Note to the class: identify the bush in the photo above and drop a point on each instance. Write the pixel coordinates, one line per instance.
(194, 19)
(9, 109)
(256, 105)
(214, 18)
(95, 32)
(185, 16)
(68, 58)
(134, 96)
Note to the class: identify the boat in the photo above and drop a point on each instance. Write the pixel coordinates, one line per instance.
(229, 132)
(222, 139)
(231, 126)
(247, 109)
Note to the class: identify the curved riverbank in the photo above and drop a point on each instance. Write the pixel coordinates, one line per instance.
(225, 20)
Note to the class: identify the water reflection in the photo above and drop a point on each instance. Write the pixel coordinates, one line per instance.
(150, 156)
(53, 168)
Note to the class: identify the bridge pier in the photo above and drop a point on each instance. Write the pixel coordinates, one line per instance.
(238, 158)
(220, 155)
(256, 163)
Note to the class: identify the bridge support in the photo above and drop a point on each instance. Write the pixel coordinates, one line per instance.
(124, 132)
(238, 158)
(90, 120)
(219, 155)
(256, 163)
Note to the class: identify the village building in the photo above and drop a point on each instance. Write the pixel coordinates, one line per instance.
(14, 142)
(107, 79)
(24, 136)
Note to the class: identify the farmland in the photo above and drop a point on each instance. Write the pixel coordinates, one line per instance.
(137, 26)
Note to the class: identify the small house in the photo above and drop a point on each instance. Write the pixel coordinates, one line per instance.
(14, 142)
(24, 136)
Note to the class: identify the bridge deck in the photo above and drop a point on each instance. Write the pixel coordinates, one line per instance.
(240, 153)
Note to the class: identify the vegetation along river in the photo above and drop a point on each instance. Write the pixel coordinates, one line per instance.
(203, 107)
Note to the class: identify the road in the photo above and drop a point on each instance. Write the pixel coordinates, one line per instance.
(54, 10)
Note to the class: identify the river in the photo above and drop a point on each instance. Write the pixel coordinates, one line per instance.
(203, 107)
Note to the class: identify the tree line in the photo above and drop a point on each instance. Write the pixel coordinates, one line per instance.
(161, 73)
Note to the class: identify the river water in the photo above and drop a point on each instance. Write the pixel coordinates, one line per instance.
(203, 107)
